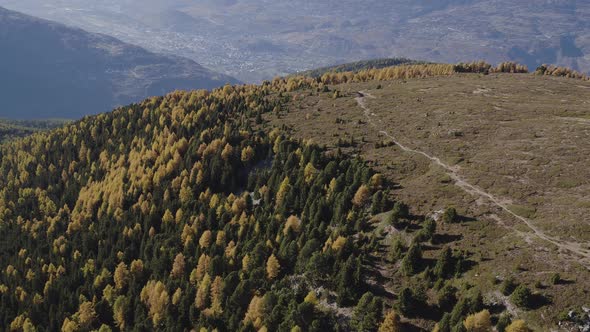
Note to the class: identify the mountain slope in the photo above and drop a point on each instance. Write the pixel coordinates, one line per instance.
(181, 212)
(515, 170)
(53, 71)
(216, 210)
(291, 36)
(17, 129)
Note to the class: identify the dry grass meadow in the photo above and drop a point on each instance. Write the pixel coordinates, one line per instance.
(523, 139)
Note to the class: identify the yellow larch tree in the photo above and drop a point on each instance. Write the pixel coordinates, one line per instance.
(155, 296)
(391, 323)
(203, 292)
(205, 240)
(255, 312)
(518, 326)
(292, 223)
(361, 196)
(178, 266)
(121, 276)
(272, 267)
(478, 322)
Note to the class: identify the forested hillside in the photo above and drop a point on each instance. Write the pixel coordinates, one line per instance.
(358, 66)
(10, 129)
(177, 212)
(191, 211)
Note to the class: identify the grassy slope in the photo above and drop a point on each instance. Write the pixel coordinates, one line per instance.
(520, 137)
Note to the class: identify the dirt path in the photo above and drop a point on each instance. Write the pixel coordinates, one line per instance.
(580, 120)
(473, 190)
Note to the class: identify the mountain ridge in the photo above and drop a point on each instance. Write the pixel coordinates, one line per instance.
(311, 35)
(53, 71)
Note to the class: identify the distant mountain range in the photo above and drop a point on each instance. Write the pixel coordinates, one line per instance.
(257, 39)
(49, 70)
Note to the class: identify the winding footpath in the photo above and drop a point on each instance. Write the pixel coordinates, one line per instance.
(473, 190)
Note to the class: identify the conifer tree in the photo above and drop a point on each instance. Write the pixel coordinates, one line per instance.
(272, 267)
(367, 314)
(413, 260)
(479, 322)
(361, 196)
(518, 326)
(121, 276)
(444, 265)
(521, 296)
(178, 266)
(391, 323)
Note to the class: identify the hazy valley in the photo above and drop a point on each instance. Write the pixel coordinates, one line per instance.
(53, 71)
(255, 40)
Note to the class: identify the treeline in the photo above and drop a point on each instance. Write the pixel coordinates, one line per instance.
(483, 67)
(404, 71)
(359, 65)
(409, 71)
(389, 73)
(551, 70)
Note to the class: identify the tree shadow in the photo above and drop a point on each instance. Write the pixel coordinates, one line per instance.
(426, 246)
(430, 312)
(369, 227)
(467, 265)
(539, 300)
(464, 219)
(410, 328)
(496, 308)
(446, 238)
(372, 262)
(426, 262)
(410, 226)
(379, 280)
(378, 290)
(565, 282)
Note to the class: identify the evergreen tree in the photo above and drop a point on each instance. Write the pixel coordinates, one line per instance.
(503, 322)
(377, 204)
(348, 282)
(521, 296)
(447, 297)
(508, 286)
(449, 215)
(397, 249)
(444, 265)
(367, 314)
(413, 260)
(444, 325)
(406, 303)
